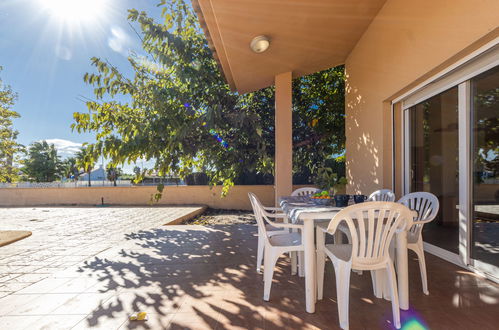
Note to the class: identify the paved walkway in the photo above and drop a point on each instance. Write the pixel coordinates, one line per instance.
(66, 236)
(196, 277)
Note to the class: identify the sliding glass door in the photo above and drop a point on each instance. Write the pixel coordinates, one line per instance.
(485, 163)
(452, 150)
(433, 152)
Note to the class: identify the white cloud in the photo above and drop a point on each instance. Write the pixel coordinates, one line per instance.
(63, 52)
(120, 41)
(65, 148)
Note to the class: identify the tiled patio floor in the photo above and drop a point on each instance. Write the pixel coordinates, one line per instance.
(196, 277)
(65, 236)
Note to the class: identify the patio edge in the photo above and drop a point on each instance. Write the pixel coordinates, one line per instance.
(187, 216)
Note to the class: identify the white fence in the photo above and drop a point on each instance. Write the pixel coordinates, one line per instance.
(68, 184)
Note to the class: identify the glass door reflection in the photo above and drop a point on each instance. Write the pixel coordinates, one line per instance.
(433, 145)
(485, 153)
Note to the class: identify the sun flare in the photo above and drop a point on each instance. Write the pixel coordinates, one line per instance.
(75, 11)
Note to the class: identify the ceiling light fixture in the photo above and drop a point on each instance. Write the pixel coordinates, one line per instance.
(260, 44)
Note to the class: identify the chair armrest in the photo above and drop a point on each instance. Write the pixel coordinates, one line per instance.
(286, 225)
(273, 209)
(420, 222)
(323, 227)
(274, 215)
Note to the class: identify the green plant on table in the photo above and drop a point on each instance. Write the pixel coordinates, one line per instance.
(327, 180)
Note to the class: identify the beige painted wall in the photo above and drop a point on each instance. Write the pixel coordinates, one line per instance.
(283, 135)
(407, 40)
(173, 195)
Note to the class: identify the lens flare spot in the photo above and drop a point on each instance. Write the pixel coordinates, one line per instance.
(413, 324)
(219, 139)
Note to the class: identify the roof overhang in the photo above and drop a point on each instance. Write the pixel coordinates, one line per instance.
(306, 36)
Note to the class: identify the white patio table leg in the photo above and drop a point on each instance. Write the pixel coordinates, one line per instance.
(402, 270)
(310, 279)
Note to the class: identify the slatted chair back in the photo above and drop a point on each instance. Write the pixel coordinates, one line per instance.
(382, 195)
(306, 191)
(261, 218)
(425, 204)
(372, 226)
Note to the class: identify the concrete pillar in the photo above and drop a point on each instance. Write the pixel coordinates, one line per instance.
(283, 181)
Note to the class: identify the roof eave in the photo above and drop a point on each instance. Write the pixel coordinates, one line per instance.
(202, 22)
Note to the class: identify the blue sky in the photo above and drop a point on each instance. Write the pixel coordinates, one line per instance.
(45, 51)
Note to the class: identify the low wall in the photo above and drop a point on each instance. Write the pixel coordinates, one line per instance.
(237, 198)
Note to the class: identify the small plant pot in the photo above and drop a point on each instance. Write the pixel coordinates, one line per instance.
(359, 198)
(341, 200)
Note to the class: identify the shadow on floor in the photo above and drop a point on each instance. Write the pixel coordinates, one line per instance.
(194, 277)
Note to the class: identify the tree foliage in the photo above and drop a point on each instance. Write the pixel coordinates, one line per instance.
(113, 173)
(69, 168)
(182, 114)
(42, 163)
(9, 148)
(319, 123)
(85, 160)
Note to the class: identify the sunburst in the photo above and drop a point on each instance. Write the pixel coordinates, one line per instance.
(76, 12)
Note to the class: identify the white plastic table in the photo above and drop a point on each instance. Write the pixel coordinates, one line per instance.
(302, 209)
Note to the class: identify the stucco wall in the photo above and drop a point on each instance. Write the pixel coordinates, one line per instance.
(172, 195)
(405, 41)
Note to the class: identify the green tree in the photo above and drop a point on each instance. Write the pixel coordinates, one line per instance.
(42, 163)
(319, 122)
(69, 168)
(113, 173)
(9, 148)
(85, 160)
(182, 114)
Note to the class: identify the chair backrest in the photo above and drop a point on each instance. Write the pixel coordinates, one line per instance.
(372, 226)
(260, 216)
(425, 204)
(382, 195)
(305, 191)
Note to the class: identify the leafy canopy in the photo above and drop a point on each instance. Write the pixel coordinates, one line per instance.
(85, 160)
(9, 148)
(181, 113)
(42, 163)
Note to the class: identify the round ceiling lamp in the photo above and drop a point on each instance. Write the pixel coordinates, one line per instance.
(260, 44)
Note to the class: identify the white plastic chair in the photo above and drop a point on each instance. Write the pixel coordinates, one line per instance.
(426, 205)
(275, 245)
(271, 230)
(305, 191)
(382, 195)
(372, 226)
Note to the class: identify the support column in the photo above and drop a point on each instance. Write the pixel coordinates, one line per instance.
(283, 181)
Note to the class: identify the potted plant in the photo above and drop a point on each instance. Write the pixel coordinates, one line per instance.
(327, 180)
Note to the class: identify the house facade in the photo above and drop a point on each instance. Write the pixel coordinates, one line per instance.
(422, 99)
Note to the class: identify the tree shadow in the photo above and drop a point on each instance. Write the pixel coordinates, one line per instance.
(193, 277)
(196, 277)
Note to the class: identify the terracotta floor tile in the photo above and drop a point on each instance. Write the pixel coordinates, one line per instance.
(14, 302)
(17, 322)
(42, 305)
(43, 286)
(83, 303)
(138, 301)
(190, 277)
(102, 321)
(75, 285)
(241, 320)
(154, 321)
(195, 320)
(55, 322)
